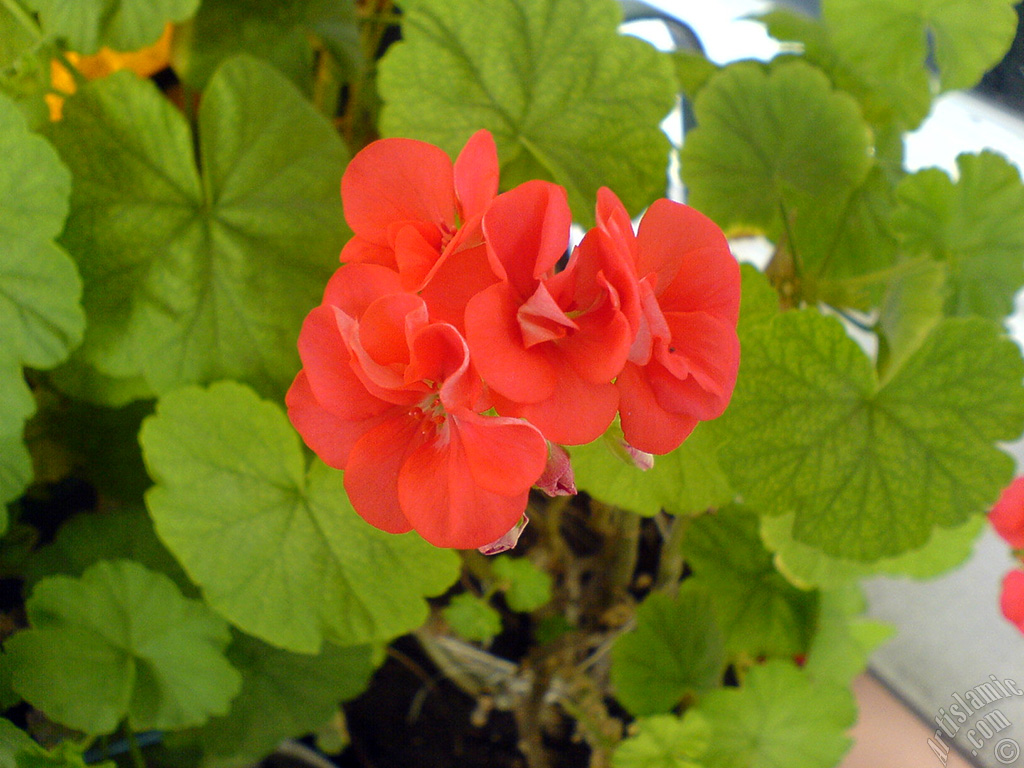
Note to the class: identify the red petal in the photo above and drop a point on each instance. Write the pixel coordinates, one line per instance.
(496, 346)
(353, 287)
(328, 436)
(371, 476)
(541, 319)
(415, 253)
(527, 230)
(645, 424)
(476, 174)
(691, 257)
(394, 180)
(613, 218)
(577, 412)
(598, 350)
(360, 251)
(1007, 516)
(1012, 599)
(444, 504)
(699, 376)
(329, 371)
(456, 279)
(505, 456)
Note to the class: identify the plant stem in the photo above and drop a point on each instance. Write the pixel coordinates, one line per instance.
(670, 565)
(138, 761)
(624, 556)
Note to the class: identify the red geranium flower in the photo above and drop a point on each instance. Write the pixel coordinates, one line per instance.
(549, 344)
(683, 362)
(1007, 516)
(389, 396)
(1012, 600)
(414, 211)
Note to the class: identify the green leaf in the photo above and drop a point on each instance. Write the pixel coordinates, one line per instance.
(808, 567)
(472, 619)
(779, 718)
(526, 586)
(276, 32)
(759, 612)
(566, 97)
(15, 472)
(773, 141)
(869, 470)
(19, 750)
(664, 741)
(685, 481)
(910, 309)
(676, 649)
(889, 38)
(124, 25)
(693, 70)
(87, 538)
(759, 302)
(277, 550)
(190, 279)
(844, 641)
(121, 642)
(975, 226)
(284, 695)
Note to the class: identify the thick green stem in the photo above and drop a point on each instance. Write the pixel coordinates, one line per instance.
(138, 761)
(670, 565)
(624, 557)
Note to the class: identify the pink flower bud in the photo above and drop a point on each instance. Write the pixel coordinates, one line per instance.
(1012, 600)
(506, 542)
(1007, 516)
(557, 479)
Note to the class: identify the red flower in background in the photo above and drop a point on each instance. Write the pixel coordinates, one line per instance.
(391, 398)
(550, 344)
(413, 210)
(685, 355)
(1007, 516)
(1012, 600)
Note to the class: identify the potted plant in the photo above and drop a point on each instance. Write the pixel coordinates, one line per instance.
(255, 494)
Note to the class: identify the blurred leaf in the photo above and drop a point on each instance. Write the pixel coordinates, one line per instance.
(124, 25)
(284, 695)
(527, 587)
(278, 550)
(190, 279)
(19, 750)
(567, 97)
(675, 649)
(87, 538)
(472, 619)
(759, 612)
(664, 741)
(808, 567)
(759, 302)
(890, 38)
(975, 226)
(693, 70)
(869, 470)
(844, 640)
(685, 481)
(276, 32)
(773, 141)
(778, 718)
(121, 642)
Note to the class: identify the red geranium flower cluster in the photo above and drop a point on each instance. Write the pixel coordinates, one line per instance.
(1007, 517)
(451, 358)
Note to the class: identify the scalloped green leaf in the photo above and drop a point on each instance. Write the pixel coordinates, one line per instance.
(675, 649)
(19, 750)
(770, 141)
(807, 567)
(284, 695)
(759, 612)
(472, 619)
(844, 640)
(121, 642)
(889, 38)
(778, 718)
(526, 586)
(975, 226)
(191, 278)
(276, 549)
(664, 741)
(566, 96)
(870, 470)
(686, 481)
(124, 25)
